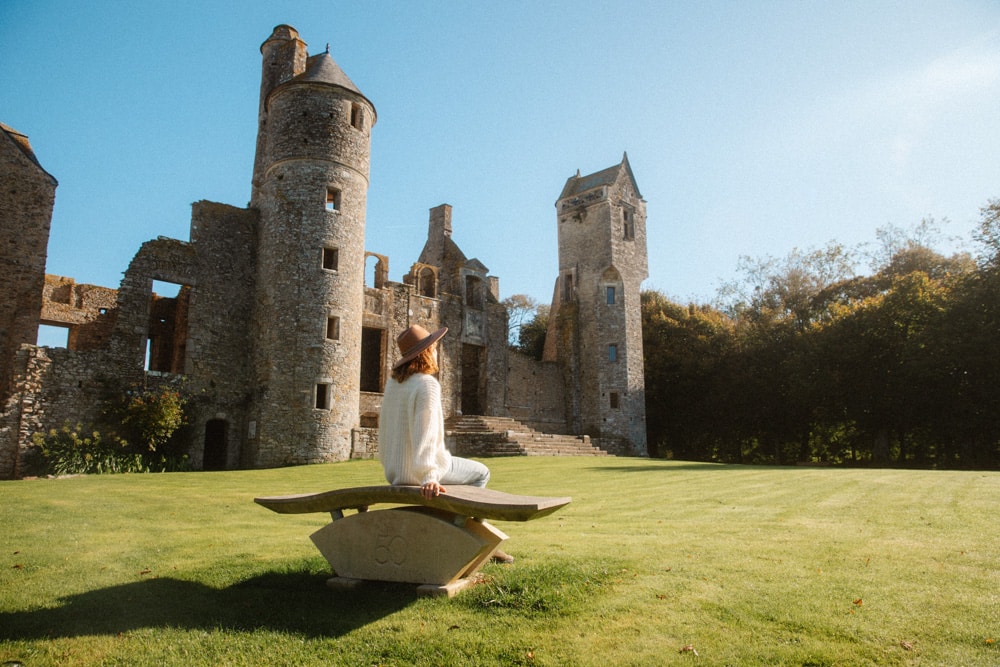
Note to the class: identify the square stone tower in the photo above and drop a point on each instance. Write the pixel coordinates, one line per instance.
(595, 329)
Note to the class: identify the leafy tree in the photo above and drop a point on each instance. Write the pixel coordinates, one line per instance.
(531, 340)
(684, 351)
(521, 309)
(146, 419)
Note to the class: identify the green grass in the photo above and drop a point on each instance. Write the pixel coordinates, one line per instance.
(746, 565)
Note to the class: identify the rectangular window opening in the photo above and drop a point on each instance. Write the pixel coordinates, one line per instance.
(331, 258)
(568, 287)
(332, 199)
(611, 295)
(53, 335)
(167, 327)
(333, 328)
(322, 396)
(615, 400)
(612, 352)
(357, 116)
(628, 224)
(372, 359)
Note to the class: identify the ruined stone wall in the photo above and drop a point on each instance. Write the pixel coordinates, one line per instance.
(26, 201)
(54, 386)
(217, 342)
(89, 311)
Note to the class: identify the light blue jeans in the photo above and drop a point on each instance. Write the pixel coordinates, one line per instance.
(466, 471)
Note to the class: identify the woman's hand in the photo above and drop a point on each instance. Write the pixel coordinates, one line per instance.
(431, 489)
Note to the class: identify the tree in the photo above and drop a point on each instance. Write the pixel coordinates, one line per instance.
(685, 351)
(531, 340)
(521, 309)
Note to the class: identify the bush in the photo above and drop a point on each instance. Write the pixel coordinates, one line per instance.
(79, 451)
(147, 418)
(134, 435)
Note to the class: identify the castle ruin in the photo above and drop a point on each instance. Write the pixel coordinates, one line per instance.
(274, 330)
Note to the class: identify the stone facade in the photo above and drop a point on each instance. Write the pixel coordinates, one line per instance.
(274, 332)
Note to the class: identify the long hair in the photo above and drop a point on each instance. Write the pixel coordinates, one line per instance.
(422, 363)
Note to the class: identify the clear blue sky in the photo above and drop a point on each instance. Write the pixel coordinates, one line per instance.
(752, 127)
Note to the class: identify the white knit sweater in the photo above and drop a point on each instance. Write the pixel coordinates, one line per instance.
(411, 431)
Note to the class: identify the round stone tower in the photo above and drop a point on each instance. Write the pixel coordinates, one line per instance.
(310, 187)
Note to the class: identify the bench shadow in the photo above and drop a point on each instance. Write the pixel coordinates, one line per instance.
(296, 602)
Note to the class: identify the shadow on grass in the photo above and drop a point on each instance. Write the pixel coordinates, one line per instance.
(294, 602)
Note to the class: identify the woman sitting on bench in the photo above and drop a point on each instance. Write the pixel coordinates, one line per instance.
(411, 424)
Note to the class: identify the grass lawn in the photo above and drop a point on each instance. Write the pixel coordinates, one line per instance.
(654, 563)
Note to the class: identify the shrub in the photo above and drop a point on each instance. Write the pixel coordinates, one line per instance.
(134, 436)
(77, 451)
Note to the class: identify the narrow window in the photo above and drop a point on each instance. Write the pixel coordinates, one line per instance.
(473, 292)
(614, 400)
(322, 397)
(628, 224)
(612, 353)
(333, 328)
(330, 259)
(357, 116)
(372, 358)
(568, 287)
(333, 199)
(425, 282)
(611, 295)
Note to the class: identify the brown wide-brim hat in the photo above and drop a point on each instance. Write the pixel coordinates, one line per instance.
(415, 340)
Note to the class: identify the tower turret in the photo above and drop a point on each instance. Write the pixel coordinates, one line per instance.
(311, 185)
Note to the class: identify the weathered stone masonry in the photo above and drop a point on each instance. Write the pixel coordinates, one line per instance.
(274, 333)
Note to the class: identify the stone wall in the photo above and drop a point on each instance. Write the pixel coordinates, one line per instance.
(55, 386)
(88, 311)
(535, 393)
(364, 443)
(26, 201)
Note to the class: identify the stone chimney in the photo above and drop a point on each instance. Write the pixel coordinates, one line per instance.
(440, 221)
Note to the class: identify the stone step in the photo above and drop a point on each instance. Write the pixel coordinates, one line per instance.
(480, 435)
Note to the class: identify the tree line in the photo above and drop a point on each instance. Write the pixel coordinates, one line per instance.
(805, 360)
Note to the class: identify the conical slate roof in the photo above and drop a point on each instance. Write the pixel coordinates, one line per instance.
(322, 68)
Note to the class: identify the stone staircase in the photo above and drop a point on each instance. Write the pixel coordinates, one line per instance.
(475, 435)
